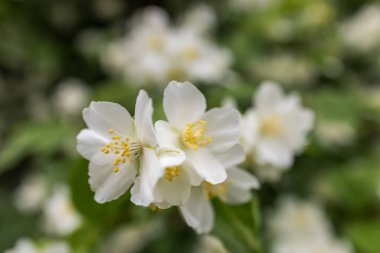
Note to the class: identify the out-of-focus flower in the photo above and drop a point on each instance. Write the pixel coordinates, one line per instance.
(155, 52)
(302, 227)
(361, 32)
(56, 247)
(332, 133)
(211, 244)
(328, 246)
(119, 147)
(31, 194)
(275, 129)
(198, 211)
(60, 216)
(23, 245)
(297, 220)
(200, 18)
(285, 68)
(70, 97)
(132, 238)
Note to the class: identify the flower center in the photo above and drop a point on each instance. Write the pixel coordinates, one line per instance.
(124, 149)
(271, 126)
(155, 42)
(172, 172)
(212, 191)
(193, 136)
(190, 53)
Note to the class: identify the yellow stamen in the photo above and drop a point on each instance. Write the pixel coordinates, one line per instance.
(271, 126)
(172, 172)
(193, 136)
(116, 170)
(212, 191)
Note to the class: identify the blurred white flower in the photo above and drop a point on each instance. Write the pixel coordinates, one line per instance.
(70, 97)
(56, 247)
(298, 220)
(23, 245)
(333, 133)
(361, 32)
(275, 129)
(285, 68)
(31, 193)
(60, 216)
(119, 147)
(302, 227)
(201, 18)
(211, 244)
(316, 246)
(155, 52)
(198, 211)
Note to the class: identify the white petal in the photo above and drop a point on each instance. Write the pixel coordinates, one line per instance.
(89, 143)
(101, 116)
(107, 184)
(143, 117)
(236, 195)
(250, 129)
(175, 192)
(268, 96)
(206, 165)
(242, 179)
(150, 173)
(223, 125)
(231, 157)
(275, 152)
(183, 103)
(169, 157)
(198, 212)
(166, 135)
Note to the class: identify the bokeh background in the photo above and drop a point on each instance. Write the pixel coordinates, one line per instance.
(57, 56)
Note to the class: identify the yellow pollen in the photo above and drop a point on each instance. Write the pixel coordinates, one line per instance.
(124, 150)
(212, 191)
(172, 172)
(193, 136)
(270, 126)
(190, 53)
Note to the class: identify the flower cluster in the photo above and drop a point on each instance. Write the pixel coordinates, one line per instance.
(185, 161)
(302, 227)
(156, 52)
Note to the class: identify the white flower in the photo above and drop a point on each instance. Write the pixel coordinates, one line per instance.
(23, 245)
(211, 244)
(119, 149)
(70, 97)
(276, 128)
(56, 247)
(333, 133)
(156, 52)
(31, 194)
(60, 216)
(198, 211)
(315, 246)
(362, 31)
(297, 220)
(194, 145)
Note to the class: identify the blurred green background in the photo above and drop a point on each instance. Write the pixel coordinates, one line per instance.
(51, 68)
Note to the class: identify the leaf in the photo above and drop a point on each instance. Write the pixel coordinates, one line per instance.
(365, 236)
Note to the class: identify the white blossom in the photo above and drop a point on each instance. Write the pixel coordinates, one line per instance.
(156, 52)
(26, 245)
(121, 149)
(23, 245)
(211, 244)
(70, 97)
(60, 216)
(31, 194)
(361, 32)
(275, 129)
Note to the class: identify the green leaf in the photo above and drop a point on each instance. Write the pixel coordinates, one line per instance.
(365, 236)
